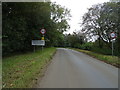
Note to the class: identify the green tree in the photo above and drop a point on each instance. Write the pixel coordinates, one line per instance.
(100, 21)
(22, 23)
(74, 40)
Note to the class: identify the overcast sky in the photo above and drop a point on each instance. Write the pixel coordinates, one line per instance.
(78, 8)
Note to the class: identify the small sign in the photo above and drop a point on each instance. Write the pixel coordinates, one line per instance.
(38, 42)
(42, 38)
(113, 35)
(43, 31)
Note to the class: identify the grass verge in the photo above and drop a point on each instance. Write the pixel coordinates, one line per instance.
(113, 60)
(21, 71)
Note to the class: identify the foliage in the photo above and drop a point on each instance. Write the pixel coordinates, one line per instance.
(87, 46)
(73, 40)
(22, 22)
(100, 21)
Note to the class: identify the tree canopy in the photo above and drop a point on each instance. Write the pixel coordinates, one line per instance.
(22, 22)
(100, 21)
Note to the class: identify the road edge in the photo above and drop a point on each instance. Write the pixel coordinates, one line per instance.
(42, 72)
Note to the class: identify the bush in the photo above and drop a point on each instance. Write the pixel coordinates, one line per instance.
(87, 46)
(77, 45)
(103, 50)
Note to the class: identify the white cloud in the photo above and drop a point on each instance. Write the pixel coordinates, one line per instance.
(78, 8)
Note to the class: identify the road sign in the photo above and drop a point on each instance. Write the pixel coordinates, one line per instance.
(113, 35)
(43, 31)
(38, 42)
(42, 38)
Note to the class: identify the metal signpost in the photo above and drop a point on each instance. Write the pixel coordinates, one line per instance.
(113, 36)
(42, 31)
(39, 42)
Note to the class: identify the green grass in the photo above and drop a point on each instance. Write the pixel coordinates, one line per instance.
(21, 71)
(113, 60)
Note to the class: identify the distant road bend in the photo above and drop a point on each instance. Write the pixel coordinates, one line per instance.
(72, 69)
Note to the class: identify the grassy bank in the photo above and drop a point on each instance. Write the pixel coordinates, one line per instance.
(113, 60)
(21, 71)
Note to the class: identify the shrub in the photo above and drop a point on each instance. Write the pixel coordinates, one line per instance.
(87, 46)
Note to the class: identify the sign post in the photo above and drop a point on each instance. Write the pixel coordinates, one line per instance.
(113, 36)
(34, 48)
(42, 31)
(38, 43)
(112, 48)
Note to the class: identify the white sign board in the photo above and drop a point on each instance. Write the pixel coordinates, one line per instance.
(38, 42)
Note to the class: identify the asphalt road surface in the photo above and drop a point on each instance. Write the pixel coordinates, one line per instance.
(72, 69)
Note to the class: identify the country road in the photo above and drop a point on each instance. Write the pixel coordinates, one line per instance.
(72, 69)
